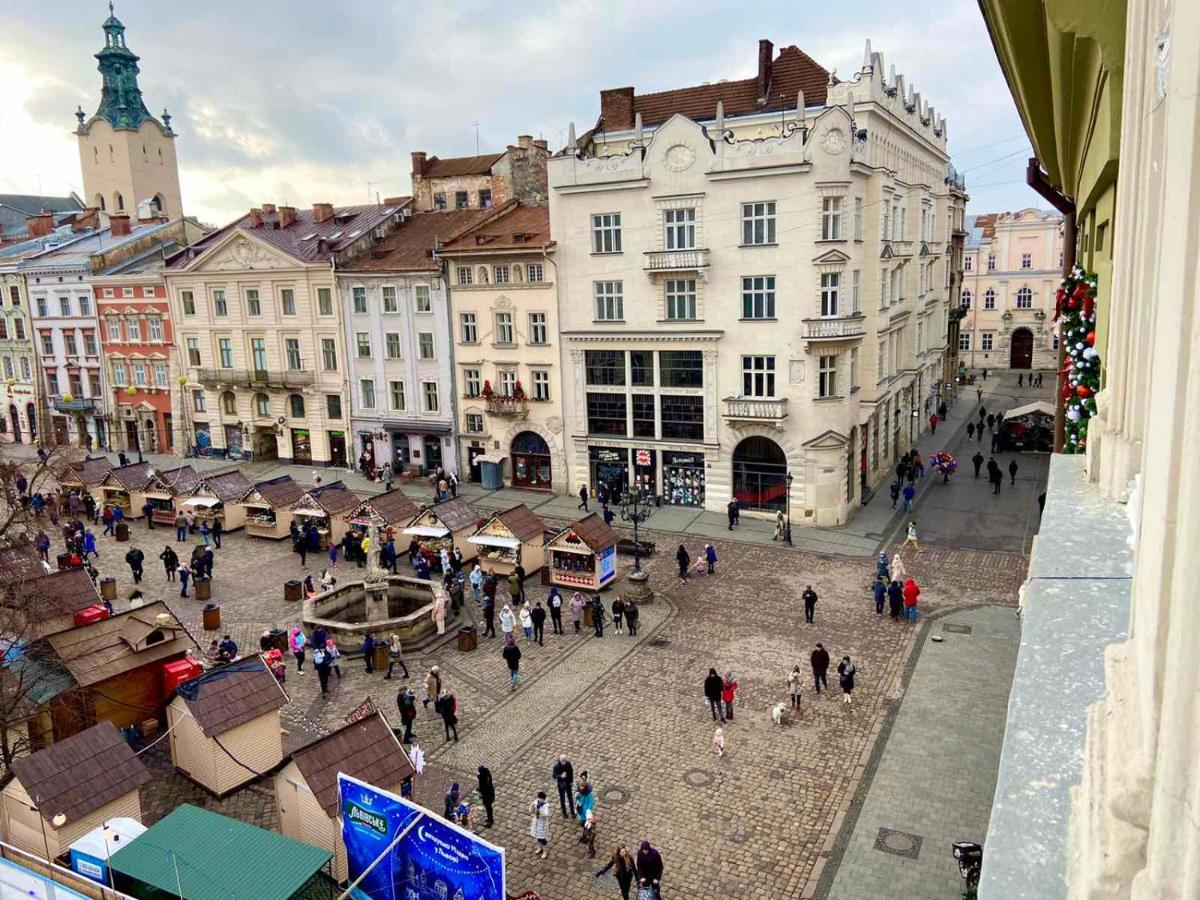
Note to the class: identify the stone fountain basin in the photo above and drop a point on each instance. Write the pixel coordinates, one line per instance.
(350, 610)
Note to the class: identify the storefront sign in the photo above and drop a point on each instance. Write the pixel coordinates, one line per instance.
(609, 456)
(606, 563)
(682, 459)
(642, 457)
(362, 711)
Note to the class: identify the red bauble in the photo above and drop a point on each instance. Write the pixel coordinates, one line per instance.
(1089, 305)
(1090, 339)
(1073, 304)
(1083, 391)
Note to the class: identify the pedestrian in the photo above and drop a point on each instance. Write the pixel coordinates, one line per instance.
(180, 528)
(301, 547)
(982, 415)
(334, 548)
(298, 642)
(577, 604)
(433, 687)
(846, 672)
(899, 572)
(208, 561)
(880, 591)
(710, 557)
(184, 574)
(810, 603)
(624, 869)
(217, 530)
(941, 411)
(819, 660)
(894, 490)
(508, 621)
(42, 544)
(681, 557)
(995, 476)
(512, 659)
(135, 558)
(539, 822)
(564, 778)
(538, 616)
(89, 546)
(489, 616)
(487, 794)
(909, 493)
(970, 430)
(650, 869)
(729, 689)
(451, 802)
(609, 515)
(631, 617)
(911, 592)
(1021, 375)
(476, 582)
(589, 833)
(713, 685)
(881, 566)
(1012, 470)
(107, 518)
(991, 420)
(598, 615)
(795, 687)
(526, 621)
(323, 664)
(733, 513)
(170, 561)
(780, 526)
(368, 652)
(618, 613)
(585, 800)
(395, 657)
(895, 600)
(977, 461)
(447, 705)
(189, 519)
(719, 740)
(933, 423)
(556, 605)
(911, 537)
(583, 498)
(406, 700)
(918, 464)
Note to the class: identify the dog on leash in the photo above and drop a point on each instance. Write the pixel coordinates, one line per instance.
(777, 712)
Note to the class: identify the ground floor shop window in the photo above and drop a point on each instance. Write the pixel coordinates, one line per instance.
(683, 479)
(301, 446)
(531, 461)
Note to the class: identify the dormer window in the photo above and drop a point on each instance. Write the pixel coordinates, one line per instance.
(157, 636)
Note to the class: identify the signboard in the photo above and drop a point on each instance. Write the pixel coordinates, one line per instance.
(606, 564)
(433, 860)
(362, 711)
(642, 457)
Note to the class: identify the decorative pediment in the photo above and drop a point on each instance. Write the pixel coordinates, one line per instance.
(827, 440)
(240, 251)
(678, 145)
(832, 257)
(924, 249)
(887, 251)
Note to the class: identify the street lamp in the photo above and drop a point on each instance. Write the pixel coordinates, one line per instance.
(787, 530)
(635, 508)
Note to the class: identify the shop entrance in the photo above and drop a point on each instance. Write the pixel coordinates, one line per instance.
(301, 446)
(683, 478)
(760, 475)
(16, 423)
(531, 461)
(1021, 353)
(474, 470)
(337, 449)
(60, 430)
(433, 452)
(266, 447)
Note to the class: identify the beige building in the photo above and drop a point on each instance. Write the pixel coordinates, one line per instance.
(754, 286)
(481, 182)
(1012, 266)
(508, 369)
(259, 331)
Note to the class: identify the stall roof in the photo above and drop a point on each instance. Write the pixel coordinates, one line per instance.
(334, 499)
(20, 561)
(51, 601)
(215, 858)
(133, 477)
(455, 514)
(91, 471)
(81, 773)
(523, 522)
(180, 481)
(394, 507)
(593, 531)
(366, 750)
(228, 486)
(232, 695)
(280, 492)
(97, 652)
(1038, 406)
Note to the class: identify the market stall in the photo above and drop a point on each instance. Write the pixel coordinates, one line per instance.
(268, 507)
(130, 486)
(583, 556)
(392, 510)
(1028, 428)
(86, 477)
(447, 525)
(325, 507)
(219, 496)
(511, 537)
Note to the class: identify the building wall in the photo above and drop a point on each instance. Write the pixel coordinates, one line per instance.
(24, 830)
(303, 818)
(129, 167)
(191, 752)
(18, 374)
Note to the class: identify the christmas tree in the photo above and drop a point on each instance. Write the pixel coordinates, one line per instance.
(1076, 311)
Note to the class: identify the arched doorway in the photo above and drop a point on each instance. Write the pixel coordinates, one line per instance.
(531, 461)
(16, 423)
(1021, 351)
(760, 475)
(31, 415)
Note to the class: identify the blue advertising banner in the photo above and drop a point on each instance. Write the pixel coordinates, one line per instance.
(606, 559)
(434, 860)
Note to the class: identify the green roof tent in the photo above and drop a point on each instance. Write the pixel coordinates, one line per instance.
(218, 858)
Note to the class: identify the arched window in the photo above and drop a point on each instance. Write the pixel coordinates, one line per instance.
(760, 474)
(1024, 298)
(262, 405)
(989, 299)
(158, 204)
(966, 299)
(297, 405)
(229, 403)
(100, 204)
(118, 202)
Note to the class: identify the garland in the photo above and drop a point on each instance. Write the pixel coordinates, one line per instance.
(1075, 309)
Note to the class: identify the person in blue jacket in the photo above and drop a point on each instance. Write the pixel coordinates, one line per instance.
(880, 594)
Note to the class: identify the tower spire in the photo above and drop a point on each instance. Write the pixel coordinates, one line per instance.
(120, 98)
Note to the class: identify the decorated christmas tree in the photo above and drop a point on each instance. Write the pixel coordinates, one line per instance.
(1076, 310)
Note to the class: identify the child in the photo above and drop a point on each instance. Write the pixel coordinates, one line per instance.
(719, 740)
(589, 833)
(795, 680)
(334, 654)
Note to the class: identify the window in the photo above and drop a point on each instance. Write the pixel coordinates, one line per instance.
(258, 354)
(41, 306)
(85, 306)
(604, 367)
(682, 417)
(114, 330)
(1026, 260)
(324, 301)
(462, 199)
(65, 305)
(27, 370)
(541, 384)
(225, 352)
(679, 229)
(3, 329)
(985, 341)
(220, 305)
(831, 219)
(47, 344)
(119, 374)
(853, 368)
(292, 351)
(296, 406)
(966, 299)
(464, 275)
(964, 340)
(70, 344)
(198, 401)
(887, 221)
(474, 423)
(645, 419)
(366, 393)
(253, 304)
(758, 376)
(758, 223)
(606, 414)
(287, 300)
(89, 344)
(681, 368)
(359, 297)
(500, 274)
(425, 345)
(333, 406)
(641, 366)
(858, 218)
(429, 394)
(329, 354)
(193, 351)
(855, 291)
(134, 329)
(991, 263)
(229, 403)
(421, 294)
(681, 299)
(19, 328)
(539, 333)
(188, 299)
(485, 199)
(508, 382)
(830, 289)
(989, 299)
(758, 297)
(610, 301)
(471, 382)
(1025, 298)
(968, 263)
(439, 201)
(533, 273)
(154, 325)
(468, 328)
(362, 343)
(391, 345)
(160, 375)
(606, 233)
(14, 293)
(827, 377)
(52, 383)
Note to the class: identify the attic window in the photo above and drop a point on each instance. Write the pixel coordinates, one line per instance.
(520, 238)
(481, 239)
(343, 218)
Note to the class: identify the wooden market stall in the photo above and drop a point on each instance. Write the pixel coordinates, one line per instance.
(130, 486)
(268, 507)
(306, 788)
(447, 525)
(225, 725)
(59, 794)
(325, 507)
(86, 477)
(219, 495)
(509, 537)
(49, 604)
(392, 510)
(179, 483)
(583, 556)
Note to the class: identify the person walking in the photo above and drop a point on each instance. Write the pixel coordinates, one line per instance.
(589, 833)
(970, 431)
(583, 498)
(577, 604)
(719, 740)
(395, 657)
(489, 616)
(710, 557)
(564, 778)
(624, 869)
(476, 578)
(512, 659)
(556, 604)
(911, 592)
(819, 660)
(894, 490)
(433, 687)
(217, 530)
(447, 705)
(406, 700)
(846, 672)
(539, 818)
(42, 544)
(780, 526)
(991, 421)
(995, 476)
(733, 513)
(508, 621)
(895, 600)
(135, 558)
(910, 492)
(585, 800)
(297, 642)
(911, 537)
(618, 613)
(368, 651)
(184, 574)
(180, 528)
(107, 518)
(526, 621)
(810, 604)
(631, 617)
(323, 663)
(1012, 471)
(713, 686)
(795, 687)
(933, 423)
(537, 616)
(450, 802)
(487, 793)
(729, 689)
(598, 615)
(204, 532)
(650, 869)
(880, 591)
(977, 461)
(681, 557)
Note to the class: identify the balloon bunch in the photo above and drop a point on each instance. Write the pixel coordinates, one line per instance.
(944, 463)
(1076, 311)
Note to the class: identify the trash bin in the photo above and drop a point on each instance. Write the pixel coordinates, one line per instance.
(291, 590)
(587, 616)
(491, 473)
(211, 616)
(204, 589)
(122, 531)
(380, 660)
(279, 638)
(467, 639)
(108, 589)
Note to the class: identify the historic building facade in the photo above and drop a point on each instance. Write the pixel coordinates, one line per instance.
(1012, 266)
(19, 401)
(754, 286)
(508, 366)
(481, 182)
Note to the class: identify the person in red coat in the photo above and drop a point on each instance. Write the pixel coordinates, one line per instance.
(728, 691)
(911, 593)
(933, 423)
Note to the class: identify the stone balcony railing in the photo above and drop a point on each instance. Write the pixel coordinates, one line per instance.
(755, 409)
(499, 405)
(76, 404)
(676, 260)
(838, 328)
(287, 378)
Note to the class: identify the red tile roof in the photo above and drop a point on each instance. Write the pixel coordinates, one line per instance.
(524, 227)
(460, 165)
(411, 245)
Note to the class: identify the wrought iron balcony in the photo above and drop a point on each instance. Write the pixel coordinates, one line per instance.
(499, 405)
(840, 328)
(77, 404)
(755, 409)
(676, 260)
(253, 378)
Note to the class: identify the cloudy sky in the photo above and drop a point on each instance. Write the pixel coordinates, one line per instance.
(308, 100)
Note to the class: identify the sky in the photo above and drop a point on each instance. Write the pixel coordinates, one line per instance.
(310, 101)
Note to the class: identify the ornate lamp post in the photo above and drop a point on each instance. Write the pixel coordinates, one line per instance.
(787, 528)
(636, 506)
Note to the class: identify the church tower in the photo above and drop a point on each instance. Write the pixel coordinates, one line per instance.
(127, 155)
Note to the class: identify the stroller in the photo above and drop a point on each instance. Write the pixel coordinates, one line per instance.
(274, 660)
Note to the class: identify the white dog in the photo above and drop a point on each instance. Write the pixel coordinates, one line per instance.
(777, 712)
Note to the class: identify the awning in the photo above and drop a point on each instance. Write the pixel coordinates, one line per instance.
(207, 502)
(427, 531)
(1038, 406)
(495, 540)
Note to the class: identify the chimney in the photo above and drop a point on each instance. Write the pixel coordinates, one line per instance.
(525, 141)
(118, 225)
(88, 218)
(542, 145)
(256, 218)
(616, 108)
(418, 162)
(322, 212)
(268, 207)
(39, 225)
(287, 215)
(766, 52)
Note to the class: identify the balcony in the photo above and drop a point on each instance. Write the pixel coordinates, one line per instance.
(514, 407)
(268, 378)
(666, 261)
(755, 410)
(841, 328)
(76, 404)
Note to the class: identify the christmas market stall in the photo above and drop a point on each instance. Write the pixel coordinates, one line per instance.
(268, 507)
(130, 486)
(181, 484)
(1029, 428)
(583, 556)
(219, 495)
(392, 510)
(86, 477)
(325, 508)
(511, 537)
(444, 526)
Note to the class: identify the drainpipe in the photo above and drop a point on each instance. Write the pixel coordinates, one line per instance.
(1036, 179)
(443, 272)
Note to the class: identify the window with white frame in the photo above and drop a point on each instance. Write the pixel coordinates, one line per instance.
(897, 287)
(429, 394)
(391, 345)
(679, 229)
(390, 303)
(967, 264)
(758, 376)
(985, 340)
(291, 347)
(225, 353)
(229, 403)
(853, 368)
(471, 382)
(359, 297)
(991, 263)
(253, 303)
(1026, 260)
(539, 332)
(681, 298)
(541, 384)
(27, 369)
(464, 275)
(258, 354)
(198, 401)
(114, 329)
(903, 219)
(468, 328)
(133, 328)
(366, 393)
(500, 275)
(324, 301)
(606, 233)
(610, 301)
(425, 344)
(965, 299)
(831, 287)
(362, 344)
(421, 298)
(1025, 298)
(508, 382)
(396, 394)
(856, 291)
(533, 273)
(41, 307)
(474, 423)
(155, 329)
(886, 226)
(831, 218)
(220, 304)
(858, 218)
(48, 345)
(758, 297)
(193, 351)
(989, 299)
(329, 354)
(262, 405)
(119, 375)
(188, 299)
(287, 301)
(920, 335)
(758, 223)
(827, 376)
(964, 340)
(64, 304)
(70, 344)
(160, 375)
(505, 333)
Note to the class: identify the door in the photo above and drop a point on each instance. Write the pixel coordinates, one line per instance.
(433, 452)
(337, 449)
(301, 447)
(131, 436)
(31, 415)
(531, 461)
(16, 423)
(60, 430)
(1021, 354)
(473, 468)
(266, 447)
